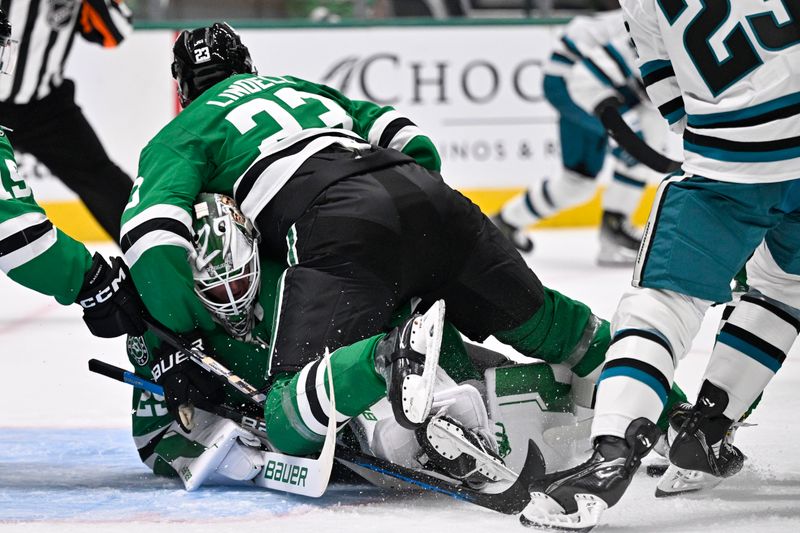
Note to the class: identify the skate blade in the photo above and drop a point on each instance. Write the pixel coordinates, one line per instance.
(615, 256)
(421, 386)
(544, 512)
(677, 481)
(656, 469)
(487, 465)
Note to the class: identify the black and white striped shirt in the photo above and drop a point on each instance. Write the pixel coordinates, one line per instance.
(46, 30)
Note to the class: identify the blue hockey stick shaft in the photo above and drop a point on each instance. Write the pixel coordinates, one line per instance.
(120, 374)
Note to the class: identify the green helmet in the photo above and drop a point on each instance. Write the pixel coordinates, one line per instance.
(226, 268)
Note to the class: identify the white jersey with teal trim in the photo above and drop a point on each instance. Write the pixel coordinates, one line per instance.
(725, 74)
(595, 58)
(579, 36)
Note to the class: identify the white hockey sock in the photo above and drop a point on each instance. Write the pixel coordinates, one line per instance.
(624, 192)
(548, 196)
(750, 349)
(635, 381)
(519, 211)
(653, 329)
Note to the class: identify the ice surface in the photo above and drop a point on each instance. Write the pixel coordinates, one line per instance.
(68, 465)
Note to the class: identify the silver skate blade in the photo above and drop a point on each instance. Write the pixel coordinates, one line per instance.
(677, 481)
(421, 386)
(453, 440)
(544, 512)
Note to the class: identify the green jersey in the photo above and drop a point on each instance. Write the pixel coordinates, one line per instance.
(32, 251)
(244, 137)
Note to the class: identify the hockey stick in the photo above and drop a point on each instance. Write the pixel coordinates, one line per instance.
(297, 475)
(630, 142)
(207, 362)
(511, 501)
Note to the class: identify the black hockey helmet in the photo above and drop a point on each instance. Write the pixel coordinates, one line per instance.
(206, 56)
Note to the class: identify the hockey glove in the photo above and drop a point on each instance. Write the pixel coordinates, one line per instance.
(185, 383)
(111, 305)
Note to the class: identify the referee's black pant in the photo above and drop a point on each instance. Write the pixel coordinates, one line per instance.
(55, 131)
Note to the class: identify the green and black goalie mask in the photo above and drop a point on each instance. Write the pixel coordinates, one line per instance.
(227, 272)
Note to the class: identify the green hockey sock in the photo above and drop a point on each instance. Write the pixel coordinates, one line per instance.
(562, 331)
(292, 425)
(675, 396)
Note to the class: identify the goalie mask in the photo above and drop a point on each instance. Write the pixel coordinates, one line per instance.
(8, 47)
(226, 268)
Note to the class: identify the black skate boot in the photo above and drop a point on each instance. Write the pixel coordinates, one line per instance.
(518, 238)
(407, 359)
(702, 452)
(619, 240)
(574, 499)
(451, 449)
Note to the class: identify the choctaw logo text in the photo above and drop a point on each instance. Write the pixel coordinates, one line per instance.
(479, 81)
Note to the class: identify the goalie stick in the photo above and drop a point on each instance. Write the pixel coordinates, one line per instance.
(317, 471)
(207, 362)
(510, 501)
(611, 118)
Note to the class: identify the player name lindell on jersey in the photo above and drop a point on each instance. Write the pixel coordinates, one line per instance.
(241, 88)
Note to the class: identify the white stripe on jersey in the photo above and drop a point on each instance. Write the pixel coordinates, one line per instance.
(54, 67)
(746, 106)
(403, 137)
(649, 228)
(31, 250)
(37, 47)
(158, 211)
(153, 239)
(15, 225)
(121, 18)
(44, 30)
(379, 126)
(158, 235)
(275, 176)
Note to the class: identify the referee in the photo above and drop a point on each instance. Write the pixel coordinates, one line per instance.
(38, 104)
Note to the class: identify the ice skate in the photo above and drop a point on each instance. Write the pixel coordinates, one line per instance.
(619, 241)
(407, 359)
(450, 448)
(702, 451)
(517, 236)
(659, 458)
(574, 499)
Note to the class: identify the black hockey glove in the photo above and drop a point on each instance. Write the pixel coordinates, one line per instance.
(185, 383)
(111, 305)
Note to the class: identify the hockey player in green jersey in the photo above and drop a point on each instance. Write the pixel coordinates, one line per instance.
(346, 193)
(39, 256)
(227, 251)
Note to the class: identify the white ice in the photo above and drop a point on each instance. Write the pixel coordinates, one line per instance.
(67, 463)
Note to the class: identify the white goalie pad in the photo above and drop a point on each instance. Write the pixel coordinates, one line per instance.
(535, 402)
(539, 408)
(388, 440)
(231, 453)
